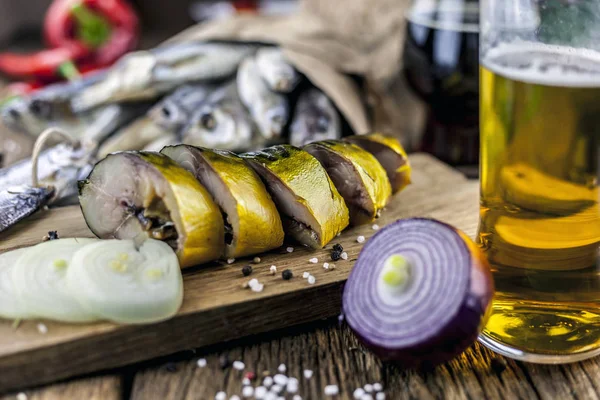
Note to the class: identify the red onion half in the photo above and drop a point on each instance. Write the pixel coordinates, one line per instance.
(419, 293)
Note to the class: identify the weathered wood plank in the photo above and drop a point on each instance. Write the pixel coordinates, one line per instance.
(96, 388)
(213, 295)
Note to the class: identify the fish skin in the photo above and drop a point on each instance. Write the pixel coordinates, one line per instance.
(279, 75)
(269, 110)
(19, 202)
(315, 118)
(231, 127)
(148, 74)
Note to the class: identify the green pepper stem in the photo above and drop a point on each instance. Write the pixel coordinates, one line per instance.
(69, 71)
(92, 29)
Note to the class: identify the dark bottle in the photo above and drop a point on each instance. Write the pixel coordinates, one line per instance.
(441, 64)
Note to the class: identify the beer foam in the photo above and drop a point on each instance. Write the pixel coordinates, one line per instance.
(541, 64)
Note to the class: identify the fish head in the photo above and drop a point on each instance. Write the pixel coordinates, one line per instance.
(17, 116)
(168, 115)
(312, 124)
(273, 121)
(219, 127)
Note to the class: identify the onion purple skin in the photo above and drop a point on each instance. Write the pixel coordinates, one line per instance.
(463, 328)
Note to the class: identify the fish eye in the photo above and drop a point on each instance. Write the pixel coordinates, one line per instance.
(322, 124)
(166, 112)
(40, 109)
(14, 113)
(207, 121)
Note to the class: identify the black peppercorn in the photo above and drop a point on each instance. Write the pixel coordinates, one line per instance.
(287, 274)
(224, 361)
(247, 270)
(338, 247)
(336, 255)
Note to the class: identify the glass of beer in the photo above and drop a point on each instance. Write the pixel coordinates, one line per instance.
(441, 65)
(539, 216)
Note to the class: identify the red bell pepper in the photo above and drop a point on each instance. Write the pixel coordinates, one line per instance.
(44, 64)
(87, 21)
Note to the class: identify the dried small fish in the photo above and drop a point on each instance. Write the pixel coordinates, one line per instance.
(223, 123)
(148, 74)
(315, 118)
(269, 110)
(276, 71)
(19, 202)
(174, 111)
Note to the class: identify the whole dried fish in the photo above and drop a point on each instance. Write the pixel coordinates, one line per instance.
(276, 71)
(269, 110)
(148, 74)
(19, 202)
(315, 118)
(222, 122)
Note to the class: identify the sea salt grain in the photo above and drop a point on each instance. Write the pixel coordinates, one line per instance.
(256, 260)
(238, 365)
(380, 396)
(375, 227)
(344, 255)
(43, 329)
(221, 396)
(297, 397)
(289, 249)
(368, 388)
(366, 396)
(21, 396)
(280, 379)
(305, 274)
(377, 387)
(273, 269)
(247, 391)
(311, 280)
(246, 381)
(268, 381)
(230, 260)
(358, 393)
(308, 373)
(234, 397)
(313, 260)
(326, 265)
(253, 282)
(331, 390)
(276, 389)
(360, 239)
(257, 288)
(260, 392)
(282, 368)
(201, 362)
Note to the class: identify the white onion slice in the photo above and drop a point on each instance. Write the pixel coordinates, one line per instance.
(39, 281)
(10, 306)
(127, 285)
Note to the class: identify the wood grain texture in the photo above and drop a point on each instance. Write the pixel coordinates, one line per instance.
(96, 388)
(335, 356)
(215, 308)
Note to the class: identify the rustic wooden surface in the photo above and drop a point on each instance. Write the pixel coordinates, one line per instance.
(326, 347)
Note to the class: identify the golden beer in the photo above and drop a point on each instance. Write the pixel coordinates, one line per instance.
(540, 221)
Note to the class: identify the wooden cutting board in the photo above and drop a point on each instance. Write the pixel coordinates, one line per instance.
(216, 308)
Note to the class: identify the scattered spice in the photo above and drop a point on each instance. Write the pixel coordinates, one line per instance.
(250, 375)
(246, 382)
(344, 255)
(247, 391)
(224, 361)
(311, 280)
(289, 249)
(375, 227)
(257, 288)
(305, 274)
(247, 270)
(52, 235)
(268, 382)
(331, 390)
(360, 239)
(201, 363)
(234, 397)
(297, 397)
(221, 396)
(368, 388)
(42, 328)
(287, 274)
(280, 379)
(230, 260)
(380, 396)
(313, 260)
(276, 389)
(266, 373)
(338, 247)
(260, 392)
(336, 255)
(239, 365)
(378, 387)
(273, 269)
(358, 393)
(326, 265)
(331, 266)
(292, 385)
(256, 260)
(308, 373)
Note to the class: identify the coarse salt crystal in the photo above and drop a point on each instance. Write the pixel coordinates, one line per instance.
(358, 393)
(289, 249)
(291, 388)
(305, 274)
(21, 396)
(313, 260)
(331, 390)
(293, 381)
(238, 365)
(234, 397)
(282, 368)
(375, 227)
(257, 288)
(221, 396)
(311, 280)
(368, 388)
(230, 260)
(253, 282)
(268, 381)
(260, 392)
(246, 381)
(247, 391)
(256, 260)
(308, 373)
(276, 389)
(338, 234)
(280, 379)
(360, 239)
(42, 328)
(366, 396)
(380, 396)
(378, 387)
(297, 397)
(326, 265)
(201, 362)
(273, 269)
(344, 255)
